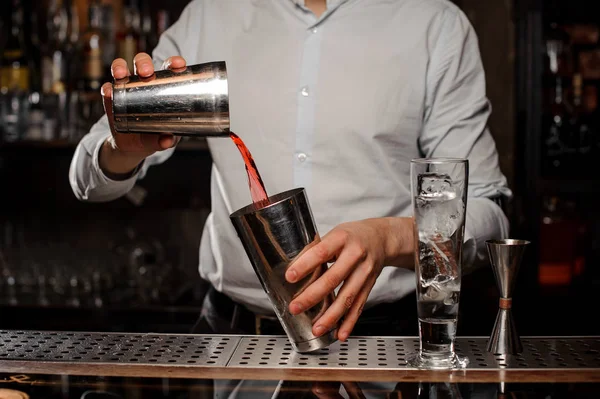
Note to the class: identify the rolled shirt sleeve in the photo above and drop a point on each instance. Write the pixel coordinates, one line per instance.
(87, 180)
(455, 125)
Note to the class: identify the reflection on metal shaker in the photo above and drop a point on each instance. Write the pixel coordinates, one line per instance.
(273, 236)
(191, 102)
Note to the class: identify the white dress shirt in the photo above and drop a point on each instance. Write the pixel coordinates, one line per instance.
(338, 105)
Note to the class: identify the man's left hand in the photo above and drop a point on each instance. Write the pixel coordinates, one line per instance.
(359, 251)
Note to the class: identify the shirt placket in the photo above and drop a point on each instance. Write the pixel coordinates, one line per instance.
(307, 92)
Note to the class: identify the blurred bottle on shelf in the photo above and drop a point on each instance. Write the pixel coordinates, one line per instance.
(586, 38)
(74, 68)
(74, 26)
(163, 22)
(92, 46)
(558, 52)
(555, 114)
(563, 235)
(570, 118)
(129, 38)
(35, 120)
(90, 106)
(589, 139)
(15, 75)
(55, 71)
(583, 34)
(108, 29)
(577, 129)
(147, 26)
(589, 67)
(160, 24)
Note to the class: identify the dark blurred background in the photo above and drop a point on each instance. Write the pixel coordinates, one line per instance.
(131, 264)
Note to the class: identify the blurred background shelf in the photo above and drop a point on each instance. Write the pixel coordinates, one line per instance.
(141, 319)
(571, 186)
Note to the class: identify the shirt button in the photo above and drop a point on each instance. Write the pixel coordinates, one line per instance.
(304, 91)
(301, 157)
(314, 30)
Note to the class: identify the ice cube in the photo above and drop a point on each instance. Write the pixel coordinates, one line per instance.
(432, 291)
(446, 293)
(440, 282)
(437, 261)
(442, 288)
(435, 185)
(451, 298)
(436, 281)
(439, 219)
(439, 208)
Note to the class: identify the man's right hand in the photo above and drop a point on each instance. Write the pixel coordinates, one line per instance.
(123, 152)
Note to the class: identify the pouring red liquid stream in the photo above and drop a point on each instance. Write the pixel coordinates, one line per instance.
(257, 187)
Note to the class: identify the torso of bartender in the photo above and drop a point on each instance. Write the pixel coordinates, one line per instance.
(338, 104)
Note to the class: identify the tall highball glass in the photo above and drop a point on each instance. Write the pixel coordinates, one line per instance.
(439, 198)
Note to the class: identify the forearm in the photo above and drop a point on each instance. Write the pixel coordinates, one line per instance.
(113, 161)
(399, 241)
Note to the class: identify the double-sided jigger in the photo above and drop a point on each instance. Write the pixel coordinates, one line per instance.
(505, 256)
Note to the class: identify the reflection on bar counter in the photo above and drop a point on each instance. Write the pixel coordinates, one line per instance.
(136, 271)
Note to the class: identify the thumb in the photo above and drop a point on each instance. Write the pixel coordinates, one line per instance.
(158, 142)
(167, 141)
(151, 142)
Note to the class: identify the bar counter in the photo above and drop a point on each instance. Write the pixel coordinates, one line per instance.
(544, 359)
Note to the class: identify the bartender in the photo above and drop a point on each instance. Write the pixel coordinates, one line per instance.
(337, 97)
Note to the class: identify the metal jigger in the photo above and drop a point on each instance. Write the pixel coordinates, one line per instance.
(505, 256)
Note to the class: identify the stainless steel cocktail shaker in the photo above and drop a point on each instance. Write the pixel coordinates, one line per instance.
(273, 237)
(190, 102)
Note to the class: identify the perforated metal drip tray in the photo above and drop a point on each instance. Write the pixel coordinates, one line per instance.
(149, 349)
(392, 353)
(275, 352)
